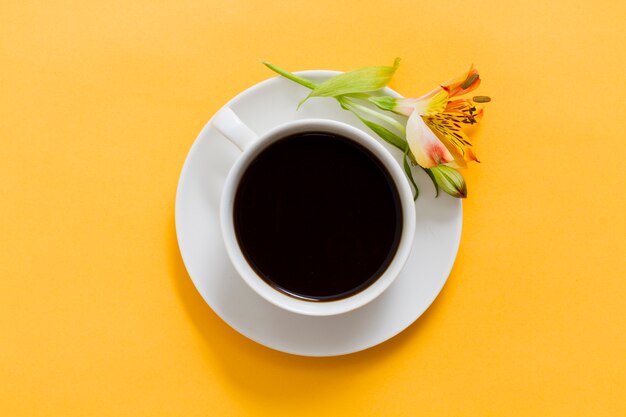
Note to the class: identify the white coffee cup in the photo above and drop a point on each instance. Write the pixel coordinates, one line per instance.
(251, 145)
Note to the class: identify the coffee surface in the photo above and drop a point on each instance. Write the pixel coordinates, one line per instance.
(317, 216)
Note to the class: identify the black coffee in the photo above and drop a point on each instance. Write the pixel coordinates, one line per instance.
(317, 216)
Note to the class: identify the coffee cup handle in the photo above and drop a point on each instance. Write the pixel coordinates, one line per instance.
(228, 124)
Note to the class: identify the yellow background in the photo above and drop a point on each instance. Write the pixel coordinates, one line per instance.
(100, 102)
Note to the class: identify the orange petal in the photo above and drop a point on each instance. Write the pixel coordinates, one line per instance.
(470, 156)
(463, 84)
(465, 111)
(427, 149)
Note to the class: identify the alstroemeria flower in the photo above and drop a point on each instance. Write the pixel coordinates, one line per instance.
(436, 133)
(436, 129)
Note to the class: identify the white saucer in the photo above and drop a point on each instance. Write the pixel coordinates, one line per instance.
(438, 231)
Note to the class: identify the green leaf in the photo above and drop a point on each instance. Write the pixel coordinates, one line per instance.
(383, 102)
(293, 77)
(360, 96)
(450, 180)
(362, 80)
(409, 174)
(386, 134)
(432, 178)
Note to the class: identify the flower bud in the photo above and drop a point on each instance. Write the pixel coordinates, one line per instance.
(450, 181)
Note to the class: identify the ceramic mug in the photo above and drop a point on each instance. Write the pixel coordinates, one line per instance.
(251, 145)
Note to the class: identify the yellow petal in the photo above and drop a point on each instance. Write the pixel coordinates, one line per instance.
(459, 160)
(427, 149)
(464, 113)
(431, 103)
(447, 128)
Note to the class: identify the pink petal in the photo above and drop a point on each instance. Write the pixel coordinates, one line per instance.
(427, 149)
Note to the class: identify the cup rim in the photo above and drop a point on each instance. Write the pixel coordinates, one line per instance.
(271, 294)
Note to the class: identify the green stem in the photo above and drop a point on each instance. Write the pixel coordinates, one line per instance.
(409, 174)
(302, 81)
(432, 178)
(393, 122)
